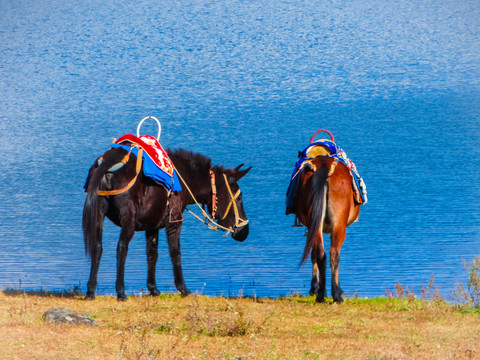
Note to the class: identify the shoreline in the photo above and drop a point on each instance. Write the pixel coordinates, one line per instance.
(198, 326)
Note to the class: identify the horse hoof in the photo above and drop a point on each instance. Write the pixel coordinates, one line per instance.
(90, 297)
(338, 301)
(122, 298)
(185, 293)
(155, 292)
(320, 299)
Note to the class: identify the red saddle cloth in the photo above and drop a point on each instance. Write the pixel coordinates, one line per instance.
(153, 149)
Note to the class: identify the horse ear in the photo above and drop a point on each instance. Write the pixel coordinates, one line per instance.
(237, 168)
(240, 173)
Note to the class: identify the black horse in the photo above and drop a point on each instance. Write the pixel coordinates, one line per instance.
(147, 206)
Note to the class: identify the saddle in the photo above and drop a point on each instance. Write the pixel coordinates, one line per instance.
(325, 147)
(156, 163)
(317, 150)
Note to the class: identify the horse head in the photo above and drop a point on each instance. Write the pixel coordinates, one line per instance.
(228, 208)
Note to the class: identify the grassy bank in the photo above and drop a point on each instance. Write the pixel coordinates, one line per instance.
(199, 327)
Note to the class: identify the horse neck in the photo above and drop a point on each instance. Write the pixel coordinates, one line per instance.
(198, 182)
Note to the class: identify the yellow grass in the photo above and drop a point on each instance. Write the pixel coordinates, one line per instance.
(198, 327)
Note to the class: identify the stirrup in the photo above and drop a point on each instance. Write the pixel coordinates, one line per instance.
(297, 223)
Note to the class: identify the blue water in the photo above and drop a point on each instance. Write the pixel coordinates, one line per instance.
(245, 82)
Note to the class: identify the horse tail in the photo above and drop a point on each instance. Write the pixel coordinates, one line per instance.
(92, 221)
(318, 201)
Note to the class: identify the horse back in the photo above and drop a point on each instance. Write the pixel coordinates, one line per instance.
(306, 189)
(342, 207)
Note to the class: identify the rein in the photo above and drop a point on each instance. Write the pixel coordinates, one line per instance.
(209, 221)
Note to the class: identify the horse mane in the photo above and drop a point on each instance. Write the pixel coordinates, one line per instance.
(195, 160)
(191, 157)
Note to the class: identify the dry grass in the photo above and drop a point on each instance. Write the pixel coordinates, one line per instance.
(198, 327)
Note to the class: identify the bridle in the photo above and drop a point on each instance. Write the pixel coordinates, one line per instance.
(210, 220)
(239, 222)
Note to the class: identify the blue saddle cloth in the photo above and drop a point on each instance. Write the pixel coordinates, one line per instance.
(152, 171)
(337, 153)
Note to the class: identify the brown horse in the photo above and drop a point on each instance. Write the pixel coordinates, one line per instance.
(325, 203)
(147, 206)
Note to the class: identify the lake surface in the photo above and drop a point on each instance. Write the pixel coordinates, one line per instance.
(249, 82)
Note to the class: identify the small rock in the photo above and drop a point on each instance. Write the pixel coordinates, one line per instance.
(59, 315)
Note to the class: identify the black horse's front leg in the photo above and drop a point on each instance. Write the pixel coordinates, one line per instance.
(152, 257)
(173, 236)
(122, 249)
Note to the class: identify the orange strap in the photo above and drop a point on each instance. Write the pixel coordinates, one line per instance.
(130, 184)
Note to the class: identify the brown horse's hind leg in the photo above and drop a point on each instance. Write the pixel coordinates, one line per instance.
(337, 239)
(322, 286)
(152, 257)
(319, 262)
(315, 278)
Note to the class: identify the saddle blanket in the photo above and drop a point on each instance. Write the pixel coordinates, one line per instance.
(156, 163)
(337, 153)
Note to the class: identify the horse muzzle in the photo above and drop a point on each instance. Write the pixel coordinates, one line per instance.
(240, 233)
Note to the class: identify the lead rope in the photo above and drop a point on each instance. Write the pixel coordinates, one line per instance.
(207, 220)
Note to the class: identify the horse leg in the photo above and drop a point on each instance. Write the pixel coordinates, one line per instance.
(315, 279)
(337, 239)
(95, 256)
(152, 256)
(322, 286)
(173, 237)
(122, 249)
(319, 261)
